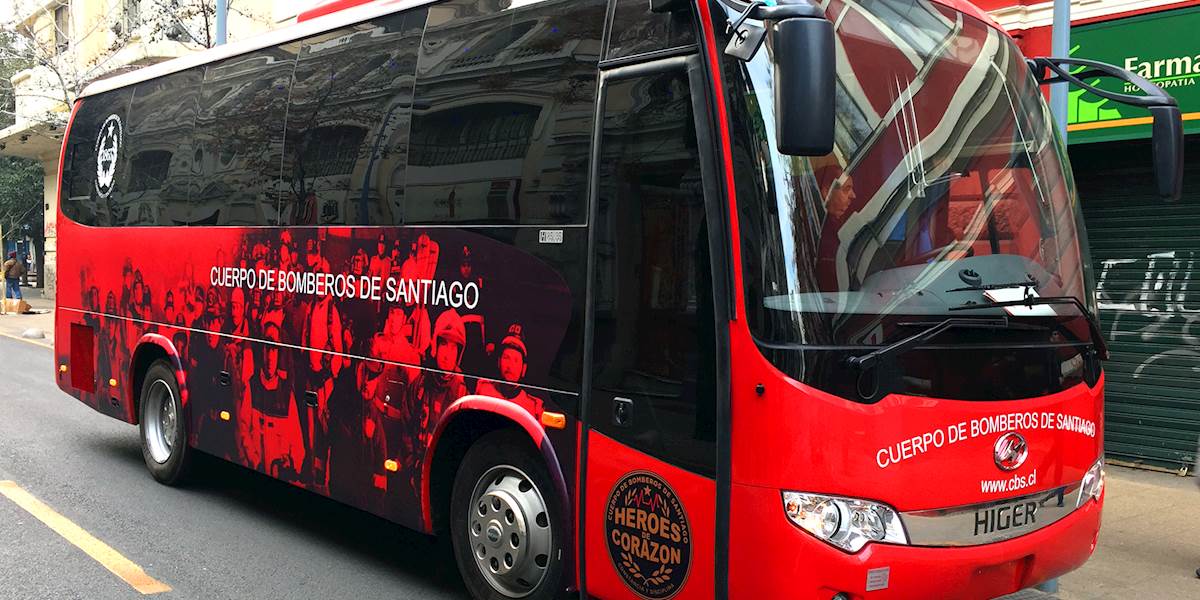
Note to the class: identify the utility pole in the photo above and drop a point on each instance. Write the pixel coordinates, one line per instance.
(222, 16)
(1061, 47)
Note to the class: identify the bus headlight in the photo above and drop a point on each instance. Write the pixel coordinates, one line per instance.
(1092, 485)
(847, 523)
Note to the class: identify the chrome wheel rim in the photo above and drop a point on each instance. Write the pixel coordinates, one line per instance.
(509, 531)
(160, 421)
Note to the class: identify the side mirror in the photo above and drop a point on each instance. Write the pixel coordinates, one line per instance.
(1167, 130)
(1168, 151)
(802, 49)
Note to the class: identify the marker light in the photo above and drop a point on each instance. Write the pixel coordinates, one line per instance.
(1092, 486)
(225, 416)
(847, 523)
(112, 383)
(554, 420)
(391, 465)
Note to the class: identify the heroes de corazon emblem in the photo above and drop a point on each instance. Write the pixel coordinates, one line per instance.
(648, 537)
(108, 148)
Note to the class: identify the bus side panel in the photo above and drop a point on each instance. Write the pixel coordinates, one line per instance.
(325, 357)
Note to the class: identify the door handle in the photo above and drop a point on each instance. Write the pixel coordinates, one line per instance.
(310, 398)
(622, 412)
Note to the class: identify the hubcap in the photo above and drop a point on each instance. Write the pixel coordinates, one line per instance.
(509, 531)
(160, 419)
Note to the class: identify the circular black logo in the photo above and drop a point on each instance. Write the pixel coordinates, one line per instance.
(108, 149)
(648, 536)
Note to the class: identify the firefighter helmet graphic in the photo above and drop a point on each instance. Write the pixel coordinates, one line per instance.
(108, 148)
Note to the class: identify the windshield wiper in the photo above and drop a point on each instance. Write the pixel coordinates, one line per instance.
(1015, 285)
(1031, 301)
(867, 361)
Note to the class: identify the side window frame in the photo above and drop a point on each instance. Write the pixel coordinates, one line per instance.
(454, 132)
(594, 408)
(220, 158)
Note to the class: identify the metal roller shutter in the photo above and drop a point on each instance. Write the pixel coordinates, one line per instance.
(1147, 264)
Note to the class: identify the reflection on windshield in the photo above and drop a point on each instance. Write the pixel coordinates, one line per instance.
(946, 178)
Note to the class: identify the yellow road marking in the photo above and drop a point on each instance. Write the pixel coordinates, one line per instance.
(102, 553)
(26, 340)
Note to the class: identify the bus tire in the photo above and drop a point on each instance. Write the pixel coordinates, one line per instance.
(162, 425)
(505, 521)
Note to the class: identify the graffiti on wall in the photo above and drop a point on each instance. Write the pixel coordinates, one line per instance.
(1159, 302)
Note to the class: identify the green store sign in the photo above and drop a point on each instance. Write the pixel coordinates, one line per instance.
(1163, 47)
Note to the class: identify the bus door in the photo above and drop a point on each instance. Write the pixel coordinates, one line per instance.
(649, 505)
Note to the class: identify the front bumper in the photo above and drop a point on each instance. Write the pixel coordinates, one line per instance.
(772, 558)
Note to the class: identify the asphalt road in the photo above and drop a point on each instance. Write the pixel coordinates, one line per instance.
(230, 534)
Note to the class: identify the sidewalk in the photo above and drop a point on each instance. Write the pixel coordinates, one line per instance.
(1149, 541)
(16, 325)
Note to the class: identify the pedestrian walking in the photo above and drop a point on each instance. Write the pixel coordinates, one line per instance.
(13, 270)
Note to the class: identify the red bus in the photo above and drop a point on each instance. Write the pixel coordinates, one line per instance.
(629, 299)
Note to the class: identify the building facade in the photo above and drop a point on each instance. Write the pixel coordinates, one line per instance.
(1145, 252)
(71, 43)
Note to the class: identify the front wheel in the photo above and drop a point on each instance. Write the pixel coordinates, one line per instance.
(505, 522)
(162, 425)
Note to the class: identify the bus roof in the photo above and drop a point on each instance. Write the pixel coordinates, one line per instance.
(329, 16)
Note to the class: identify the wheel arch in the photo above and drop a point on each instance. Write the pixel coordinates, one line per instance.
(150, 348)
(465, 421)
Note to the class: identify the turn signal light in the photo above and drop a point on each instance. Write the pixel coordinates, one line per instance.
(62, 368)
(391, 465)
(554, 420)
(224, 415)
(112, 383)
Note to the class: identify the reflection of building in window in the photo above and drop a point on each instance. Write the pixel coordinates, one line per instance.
(62, 27)
(149, 170)
(132, 15)
(486, 51)
(475, 133)
(332, 150)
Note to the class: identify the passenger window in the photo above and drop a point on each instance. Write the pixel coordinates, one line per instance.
(654, 340)
(637, 30)
(161, 118)
(347, 131)
(502, 118)
(97, 154)
(239, 139)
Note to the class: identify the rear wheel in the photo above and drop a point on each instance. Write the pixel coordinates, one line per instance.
(505, 521)
(162, 425)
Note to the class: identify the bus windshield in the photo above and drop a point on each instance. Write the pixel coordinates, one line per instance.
(947, 187)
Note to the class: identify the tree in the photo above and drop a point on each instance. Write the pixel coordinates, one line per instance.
(20, 179)
(21, 211)
(60, 54)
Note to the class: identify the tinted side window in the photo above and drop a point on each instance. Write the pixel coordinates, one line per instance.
(654, 331)
(96, 159)
(347, 130)
(161, 118)
(239, 139)
(636, 30)
(503, 113)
